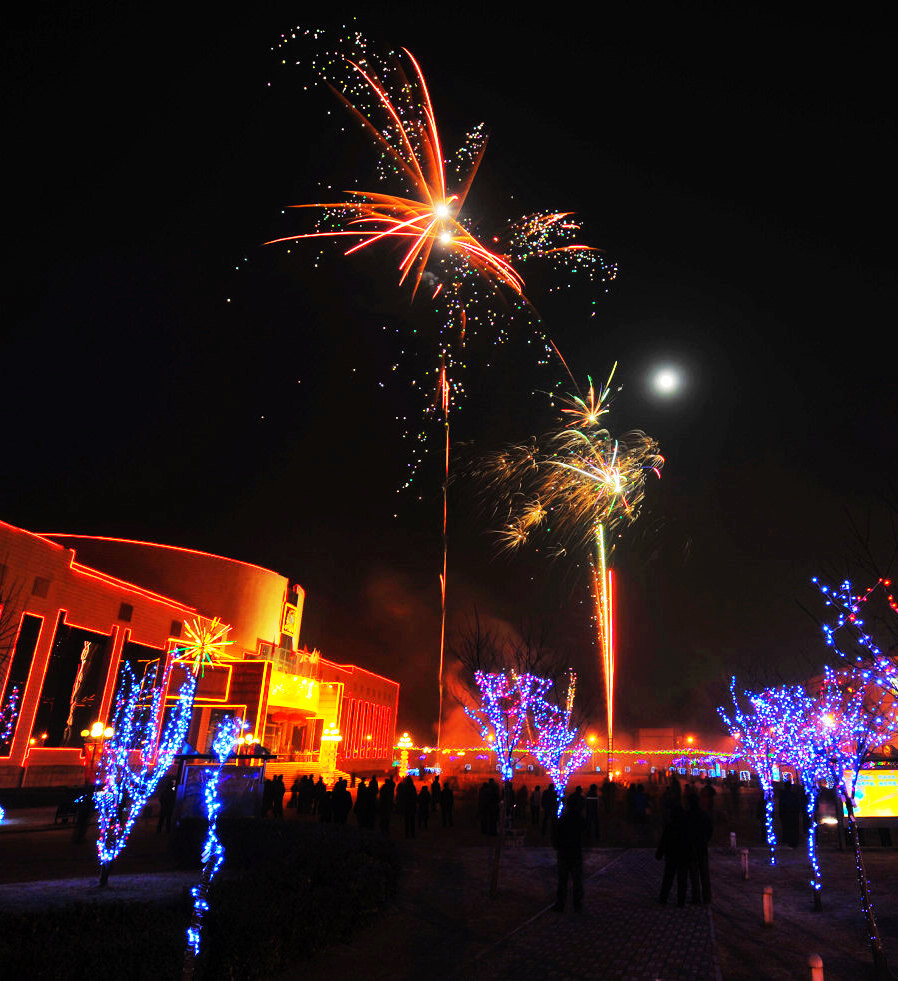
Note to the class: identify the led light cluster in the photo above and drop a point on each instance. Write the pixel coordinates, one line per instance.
(507, 701)
(132, 764)
(766, 736)
(8, 715)
(226, 735)
(557, 740)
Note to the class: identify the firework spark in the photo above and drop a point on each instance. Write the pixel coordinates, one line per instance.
(578, 483)
(206, 644)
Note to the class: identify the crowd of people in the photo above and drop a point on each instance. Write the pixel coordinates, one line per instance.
(683, 812)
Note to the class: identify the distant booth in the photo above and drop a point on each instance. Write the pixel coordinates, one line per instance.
(73, 608)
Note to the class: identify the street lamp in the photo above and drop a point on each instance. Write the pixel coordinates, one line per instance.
(93, 740)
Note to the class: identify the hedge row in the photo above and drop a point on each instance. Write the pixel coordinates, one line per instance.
(285, 892)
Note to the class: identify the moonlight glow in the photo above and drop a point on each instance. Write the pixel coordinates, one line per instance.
(667, 381)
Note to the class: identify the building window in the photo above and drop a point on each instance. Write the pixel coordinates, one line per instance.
(175, 628)
(125, 612)
(41, 586)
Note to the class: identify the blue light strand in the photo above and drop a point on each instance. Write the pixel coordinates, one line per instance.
(8, 714)
(767, 736)
(556, 738)
(223, 745)
(132, 765)
(507, 701)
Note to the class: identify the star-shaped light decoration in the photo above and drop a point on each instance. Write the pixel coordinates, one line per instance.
(205, 645)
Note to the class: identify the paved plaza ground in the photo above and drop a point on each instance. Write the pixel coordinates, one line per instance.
(444, 924)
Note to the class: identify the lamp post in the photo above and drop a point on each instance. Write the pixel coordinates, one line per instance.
(404, 745)
(93, 739)
(591, 739)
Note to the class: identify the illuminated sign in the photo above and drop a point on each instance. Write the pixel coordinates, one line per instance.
(288, 621)
(876, 793)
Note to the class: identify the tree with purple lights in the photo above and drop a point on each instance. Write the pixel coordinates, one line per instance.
(132, 764)
(557, 739)
(767, 736)
(508, 702)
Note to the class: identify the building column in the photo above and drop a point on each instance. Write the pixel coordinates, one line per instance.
(33, 685)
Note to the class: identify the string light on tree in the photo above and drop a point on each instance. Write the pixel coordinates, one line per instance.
(558, 748)
(223, 745)
(507, 702)
(132, 764)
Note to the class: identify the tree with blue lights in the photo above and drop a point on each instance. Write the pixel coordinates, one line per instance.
(132, 763)
(858, 718)
(508, 703)
(766, 737)
(558, 747)
(213, 851)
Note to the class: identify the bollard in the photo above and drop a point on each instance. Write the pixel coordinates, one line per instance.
(744, 863)
(815, 965)
(733, 842)
(768, 905)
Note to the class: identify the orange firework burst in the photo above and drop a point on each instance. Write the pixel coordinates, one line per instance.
(398, 113)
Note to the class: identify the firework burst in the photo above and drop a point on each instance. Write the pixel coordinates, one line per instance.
(206, 644)
(578, 484)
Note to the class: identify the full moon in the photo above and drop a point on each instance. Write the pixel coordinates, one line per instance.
(667, 381)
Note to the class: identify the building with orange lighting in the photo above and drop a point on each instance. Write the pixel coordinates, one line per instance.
(73, 608)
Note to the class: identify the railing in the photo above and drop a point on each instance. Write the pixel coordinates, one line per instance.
(291, 662)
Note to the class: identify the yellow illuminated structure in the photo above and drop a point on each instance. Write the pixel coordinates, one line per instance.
(329, 739)
(876, 793)
(404, 745)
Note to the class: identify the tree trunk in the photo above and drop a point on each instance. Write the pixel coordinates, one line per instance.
(880, 967)
(811, 807)
(768, 825)
(105, 869)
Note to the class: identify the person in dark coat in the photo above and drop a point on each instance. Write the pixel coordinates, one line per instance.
(435, 791)
(167, 794)
(369, 811)
(295, 787)
(592, 812)
(407, 802)
(699, 828)
(385, 805)
(535, 797)
(550, 807)
(568, 840)
(790, 813)
(447, 803)
(361, 798)
(493, 799)
(483, 809)
(278, 789)
(423, 807)
(342, 802)
(267, 797)
(674, 849)
(318, 795)
(326, 807)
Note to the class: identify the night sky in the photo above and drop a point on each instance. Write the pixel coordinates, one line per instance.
(739, 171)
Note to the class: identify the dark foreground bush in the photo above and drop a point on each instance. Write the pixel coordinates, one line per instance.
(285, 892)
